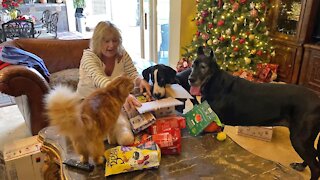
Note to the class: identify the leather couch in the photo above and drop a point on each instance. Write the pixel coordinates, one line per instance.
(28, 85)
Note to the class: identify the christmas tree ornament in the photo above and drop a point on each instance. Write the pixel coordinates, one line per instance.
(215, 41)
(247, 60)
(228, 31)
(235, 6)
(241, 41)
(209, 42)
(253, 51)
(243, 1)
(252, 5)
(210, 25)
(220, 23)
(251, 37)
(253, 13)
(251, 25)
(235, 49)
(259, 53)
(235, 28)
(232, 55)
(273, 54)
(233, 38)
(205, 36)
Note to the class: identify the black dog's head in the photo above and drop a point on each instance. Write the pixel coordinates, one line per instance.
(160, 76)
(203, 68)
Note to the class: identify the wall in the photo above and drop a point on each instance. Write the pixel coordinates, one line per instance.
(181, 28)
(188, 27)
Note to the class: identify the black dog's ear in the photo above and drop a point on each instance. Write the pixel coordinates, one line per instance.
(146, 73)
(171, 74)
(200, 50)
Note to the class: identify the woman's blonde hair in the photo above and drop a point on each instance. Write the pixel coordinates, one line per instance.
(105, 30)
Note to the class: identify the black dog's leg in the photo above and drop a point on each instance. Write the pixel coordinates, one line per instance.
(303, 142)
(299, 166)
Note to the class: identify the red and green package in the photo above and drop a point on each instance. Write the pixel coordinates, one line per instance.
(199, 117)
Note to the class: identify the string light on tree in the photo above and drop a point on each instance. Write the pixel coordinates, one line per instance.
(235, 29)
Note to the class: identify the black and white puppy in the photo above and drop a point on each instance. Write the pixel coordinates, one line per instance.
(161, 75)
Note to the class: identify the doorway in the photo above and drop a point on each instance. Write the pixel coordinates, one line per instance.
(144, 25)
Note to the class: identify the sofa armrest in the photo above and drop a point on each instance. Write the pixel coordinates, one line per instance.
(17, 80)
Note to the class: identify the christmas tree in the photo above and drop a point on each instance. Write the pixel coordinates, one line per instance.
(235, 30)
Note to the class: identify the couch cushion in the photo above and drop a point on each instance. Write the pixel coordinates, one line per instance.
(69, 77)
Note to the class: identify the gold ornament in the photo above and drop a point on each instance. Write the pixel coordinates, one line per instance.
(247, 60)
(232, 55)
(251, 37)
(235, 28)
(209, 42)
(215, 41)
(253, 51)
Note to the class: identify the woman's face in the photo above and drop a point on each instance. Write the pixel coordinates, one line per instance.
(109, 47)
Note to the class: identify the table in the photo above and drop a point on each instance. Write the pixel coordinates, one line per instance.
(202, 157)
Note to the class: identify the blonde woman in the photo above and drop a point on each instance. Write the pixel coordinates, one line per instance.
(104, 60)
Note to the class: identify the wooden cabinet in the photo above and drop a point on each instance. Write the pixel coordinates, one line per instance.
(291, 24)
(288, 56)
(310, 70)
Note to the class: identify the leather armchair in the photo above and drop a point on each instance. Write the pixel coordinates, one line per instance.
(28, 85)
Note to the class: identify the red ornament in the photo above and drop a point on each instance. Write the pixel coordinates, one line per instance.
(235, 49)
(220, 23)
(197, 22)
(198, 33)
(263, 5)
(204, 13)
(201, 20)
(205, 36)
(231, 1)
(221, 38)
(241, 41)
(233, 38)
(259, 53)
(243, 1)
(253, 13)
(235, 6)
(210, 25)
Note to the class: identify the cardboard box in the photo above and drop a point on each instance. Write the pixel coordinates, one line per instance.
(262, 133)
(24, 159)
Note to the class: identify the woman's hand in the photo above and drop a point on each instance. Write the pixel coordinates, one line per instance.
(132, 102)
(145, 85)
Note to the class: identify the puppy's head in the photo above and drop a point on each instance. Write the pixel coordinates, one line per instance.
(203, 68)
(160, 75)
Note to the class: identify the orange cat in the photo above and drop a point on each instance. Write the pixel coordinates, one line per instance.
(88, 122)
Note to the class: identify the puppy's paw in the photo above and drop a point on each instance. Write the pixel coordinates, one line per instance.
(125, 138)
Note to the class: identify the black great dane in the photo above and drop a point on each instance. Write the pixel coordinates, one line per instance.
(239, 102)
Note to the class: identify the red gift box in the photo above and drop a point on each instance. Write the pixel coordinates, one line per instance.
(166, 124)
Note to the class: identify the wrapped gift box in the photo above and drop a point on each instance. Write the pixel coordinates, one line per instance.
(258, 132)
(24, 159)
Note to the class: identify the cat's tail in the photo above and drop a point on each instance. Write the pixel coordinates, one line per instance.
(63, 108)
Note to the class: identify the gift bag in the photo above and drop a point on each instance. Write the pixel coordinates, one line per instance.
(199, 117)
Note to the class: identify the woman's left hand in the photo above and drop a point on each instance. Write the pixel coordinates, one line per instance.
(132, 102)
(145, 85)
